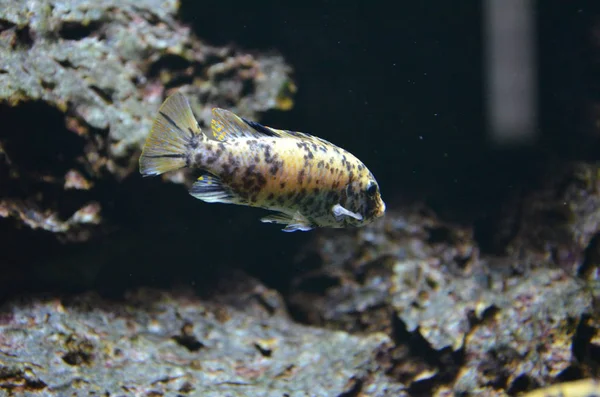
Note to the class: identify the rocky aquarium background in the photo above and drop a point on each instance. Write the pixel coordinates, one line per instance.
(481, 280)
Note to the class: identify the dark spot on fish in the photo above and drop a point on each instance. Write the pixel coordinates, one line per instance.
(349, 190)
(282, 185)
(300, 196)
(242, 194)
(360, 167)
(280, 200)
(327, 166)
(198, 158)
(270, 197)
(250, 169)
(274, 168)
(331, 160)
(256, 188)
(231, 159)
(317, 181)
(351, 176)
(226, 172)
(301, 176)
(335, 184)
(268, 156)
(262, 181)
(320, 164)
(193, 141)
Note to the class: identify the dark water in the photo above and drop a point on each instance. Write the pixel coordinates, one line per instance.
(401, 88)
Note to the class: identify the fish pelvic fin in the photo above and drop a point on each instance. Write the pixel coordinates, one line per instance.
(174, 135)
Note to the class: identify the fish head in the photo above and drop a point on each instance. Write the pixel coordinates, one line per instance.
(364, 198)
(374, 207)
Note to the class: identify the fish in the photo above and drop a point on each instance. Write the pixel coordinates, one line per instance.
(304, 181)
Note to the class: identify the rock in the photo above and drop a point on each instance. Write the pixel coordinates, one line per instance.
(159, 343)
(459, 319)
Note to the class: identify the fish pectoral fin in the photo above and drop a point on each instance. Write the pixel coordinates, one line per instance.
(210, 189)
(296, 222)
(340, 212)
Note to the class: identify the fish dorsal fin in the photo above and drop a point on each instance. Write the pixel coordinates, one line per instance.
(300, 135)
(226, 125)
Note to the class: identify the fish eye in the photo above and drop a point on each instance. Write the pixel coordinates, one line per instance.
(371, 188)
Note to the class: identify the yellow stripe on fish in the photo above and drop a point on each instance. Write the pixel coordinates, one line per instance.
(307, 181)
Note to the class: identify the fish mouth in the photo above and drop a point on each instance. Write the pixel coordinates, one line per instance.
(380, 210)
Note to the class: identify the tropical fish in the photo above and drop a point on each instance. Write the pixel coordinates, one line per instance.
(306, 181)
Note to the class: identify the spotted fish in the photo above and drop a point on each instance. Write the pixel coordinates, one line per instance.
(306, 181)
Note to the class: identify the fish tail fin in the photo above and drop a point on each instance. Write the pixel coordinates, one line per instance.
(174, 135)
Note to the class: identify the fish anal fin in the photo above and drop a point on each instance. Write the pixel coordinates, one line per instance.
(297, 227)
(295, 222)
(211, 189)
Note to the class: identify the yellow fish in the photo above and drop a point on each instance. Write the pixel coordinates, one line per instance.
(307, 181)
